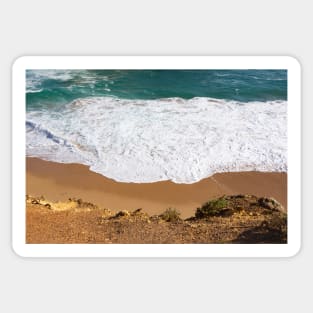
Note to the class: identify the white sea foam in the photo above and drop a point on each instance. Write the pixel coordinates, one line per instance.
(35, 78)
(165, 139)
(33, 90)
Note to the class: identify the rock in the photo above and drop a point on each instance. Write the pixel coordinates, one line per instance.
(122, 213)
(226, 212)
(240, 196)
(270, 203)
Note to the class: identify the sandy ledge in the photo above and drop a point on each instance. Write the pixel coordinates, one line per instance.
(58, 182)
(243, 219)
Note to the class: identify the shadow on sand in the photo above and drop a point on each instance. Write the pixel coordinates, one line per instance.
(265, 233)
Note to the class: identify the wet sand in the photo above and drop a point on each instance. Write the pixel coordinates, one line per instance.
(58, 182)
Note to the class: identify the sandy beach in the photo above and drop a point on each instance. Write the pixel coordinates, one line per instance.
(154, 137)
(58, 182)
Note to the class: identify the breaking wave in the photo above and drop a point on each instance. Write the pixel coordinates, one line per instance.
(164, 139)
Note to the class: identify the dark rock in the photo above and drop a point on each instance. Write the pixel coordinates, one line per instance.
(48, 206)
(269, 203)
(122, 213)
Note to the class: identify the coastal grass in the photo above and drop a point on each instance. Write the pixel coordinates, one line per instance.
(216, 207)
(170, 215)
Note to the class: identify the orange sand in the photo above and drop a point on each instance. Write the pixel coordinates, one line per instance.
(58, 182)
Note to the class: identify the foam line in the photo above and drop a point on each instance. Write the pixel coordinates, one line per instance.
(164, 139)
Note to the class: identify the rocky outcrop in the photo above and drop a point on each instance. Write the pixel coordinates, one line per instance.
(228, 219)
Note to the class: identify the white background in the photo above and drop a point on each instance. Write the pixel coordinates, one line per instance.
(162, 28)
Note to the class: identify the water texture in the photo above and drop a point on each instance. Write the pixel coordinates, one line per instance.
(154, 125)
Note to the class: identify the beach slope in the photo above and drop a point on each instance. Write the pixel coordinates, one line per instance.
(58, 182)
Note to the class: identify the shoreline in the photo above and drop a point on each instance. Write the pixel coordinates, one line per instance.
(58, 182)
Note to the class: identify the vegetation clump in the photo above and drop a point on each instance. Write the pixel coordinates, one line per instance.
(170, 215)
(216, 207)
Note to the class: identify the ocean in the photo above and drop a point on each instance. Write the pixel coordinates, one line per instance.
(152, 125)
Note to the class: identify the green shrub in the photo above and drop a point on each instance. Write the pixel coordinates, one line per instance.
(170, 215)
(214, 207)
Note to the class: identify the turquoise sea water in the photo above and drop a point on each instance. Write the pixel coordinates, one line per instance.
(57, 87)
(153, 125)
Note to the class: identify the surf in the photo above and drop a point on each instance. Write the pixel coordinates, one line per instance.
(182, 140)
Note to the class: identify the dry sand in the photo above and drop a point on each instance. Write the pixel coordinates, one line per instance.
(58, 182)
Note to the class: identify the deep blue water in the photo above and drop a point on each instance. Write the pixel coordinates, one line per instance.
(50, 88)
